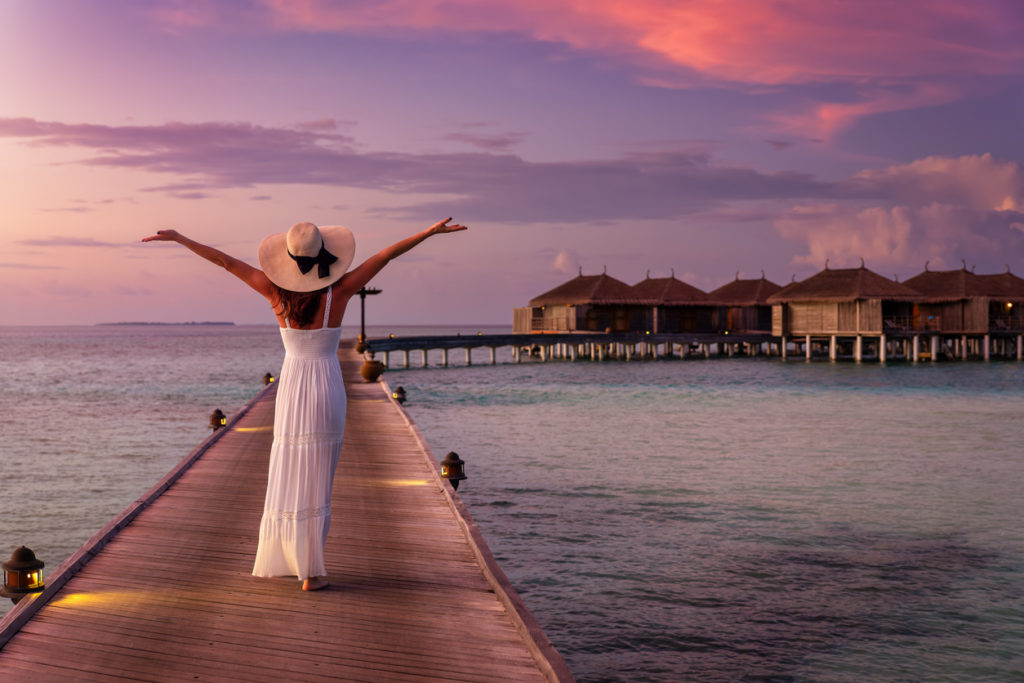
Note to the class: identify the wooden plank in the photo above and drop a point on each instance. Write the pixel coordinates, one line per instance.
(168, 590)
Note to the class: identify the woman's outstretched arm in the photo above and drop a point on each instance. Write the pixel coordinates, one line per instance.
(358, 277)
(254, 277)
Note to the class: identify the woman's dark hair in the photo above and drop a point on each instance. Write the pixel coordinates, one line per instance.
(298, 307)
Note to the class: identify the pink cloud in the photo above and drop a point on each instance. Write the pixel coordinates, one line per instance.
(566, 261)
(979, 182)
(842, 236)
(892, 56)
(937, 209)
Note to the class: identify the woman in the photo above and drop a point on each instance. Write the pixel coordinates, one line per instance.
(304, 278)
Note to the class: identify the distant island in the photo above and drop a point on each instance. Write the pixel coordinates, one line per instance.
(190, 323)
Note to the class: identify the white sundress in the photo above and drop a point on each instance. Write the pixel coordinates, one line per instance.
(309, 420)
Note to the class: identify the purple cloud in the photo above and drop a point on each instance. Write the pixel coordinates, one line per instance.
(501, 187)
(493, 142)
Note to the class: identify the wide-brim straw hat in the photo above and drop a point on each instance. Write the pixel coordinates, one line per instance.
(307, 258)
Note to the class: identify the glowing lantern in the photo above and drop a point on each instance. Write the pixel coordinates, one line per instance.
(451, 469)
(23, 574)
(217, 419)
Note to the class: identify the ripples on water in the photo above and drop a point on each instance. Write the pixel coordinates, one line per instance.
(745, 519)
(731, 519)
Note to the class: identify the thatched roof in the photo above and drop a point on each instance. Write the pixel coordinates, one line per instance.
(1005, 285)
(589, 289)
(744, 292)
(845, 284)
(957, 285)
(949, 285)
(668, 291)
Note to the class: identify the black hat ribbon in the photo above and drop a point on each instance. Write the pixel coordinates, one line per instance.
(324, 260)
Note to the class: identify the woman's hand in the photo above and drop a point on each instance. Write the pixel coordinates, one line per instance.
(166, 236)
(443, 227)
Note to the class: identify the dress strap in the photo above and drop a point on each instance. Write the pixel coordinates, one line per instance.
(327, 306)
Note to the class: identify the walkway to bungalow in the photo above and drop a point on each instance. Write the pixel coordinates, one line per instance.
(164, 592)
(575, 346)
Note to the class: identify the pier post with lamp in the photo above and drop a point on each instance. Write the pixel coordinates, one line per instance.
(363, 293)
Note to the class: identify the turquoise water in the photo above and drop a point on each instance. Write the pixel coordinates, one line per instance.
(729, 519)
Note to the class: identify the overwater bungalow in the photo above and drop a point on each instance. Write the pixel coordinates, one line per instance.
(966, 310)
(742, 305)
(586, 303)
(674, 306)
(953, 301)
(1006, 301)
(842, 306)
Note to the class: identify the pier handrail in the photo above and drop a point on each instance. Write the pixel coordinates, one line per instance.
(511, 339)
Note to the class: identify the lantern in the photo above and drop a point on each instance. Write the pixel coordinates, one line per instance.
(399, 395)
(268, 378)
(451, 469)
(23, 574)
(217, 419)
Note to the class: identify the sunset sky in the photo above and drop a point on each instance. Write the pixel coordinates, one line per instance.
(700, 137)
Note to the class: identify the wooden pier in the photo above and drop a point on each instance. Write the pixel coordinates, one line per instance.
(164, 592)
(894, 345)
(575, 346)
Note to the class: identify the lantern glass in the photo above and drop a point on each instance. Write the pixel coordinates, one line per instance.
(23, 573)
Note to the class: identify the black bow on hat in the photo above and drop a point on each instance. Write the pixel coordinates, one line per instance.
(324, 260)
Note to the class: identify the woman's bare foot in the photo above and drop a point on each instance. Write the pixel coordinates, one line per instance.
(315, 583)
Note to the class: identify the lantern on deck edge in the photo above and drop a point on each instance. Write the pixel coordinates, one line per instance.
(217, 419)
(268, 378)
(399, 395)
(23, 574)
(451, 469)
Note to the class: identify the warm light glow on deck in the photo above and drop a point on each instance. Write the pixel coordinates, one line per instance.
(100, 598)
(265, 428)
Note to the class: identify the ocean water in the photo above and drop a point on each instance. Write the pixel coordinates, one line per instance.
(724, 519)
